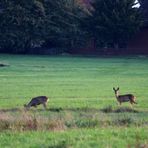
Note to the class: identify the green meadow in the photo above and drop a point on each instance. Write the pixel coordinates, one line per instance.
(82, 108)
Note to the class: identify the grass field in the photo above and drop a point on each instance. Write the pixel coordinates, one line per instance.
(82, 109)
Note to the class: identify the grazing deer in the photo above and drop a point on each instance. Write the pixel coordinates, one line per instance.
(124, 98)
(37, 101)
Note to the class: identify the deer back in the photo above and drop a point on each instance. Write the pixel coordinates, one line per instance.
(125, 98)
(37, 101)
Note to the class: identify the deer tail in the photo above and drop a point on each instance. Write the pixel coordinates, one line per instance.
(134, 100)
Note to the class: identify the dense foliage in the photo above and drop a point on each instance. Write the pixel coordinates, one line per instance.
(144, 8)
(67, 24)
(21, 24)
(113, 22)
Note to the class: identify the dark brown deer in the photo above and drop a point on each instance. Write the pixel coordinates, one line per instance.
(124, 98)
(37, 101)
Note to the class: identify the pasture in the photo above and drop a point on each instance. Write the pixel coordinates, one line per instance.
(82, 108)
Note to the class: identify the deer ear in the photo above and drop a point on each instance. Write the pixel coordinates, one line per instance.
(113, 88)
(118, 88)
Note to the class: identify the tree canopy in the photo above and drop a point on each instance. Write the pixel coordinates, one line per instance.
(68, 24)
(113, 22)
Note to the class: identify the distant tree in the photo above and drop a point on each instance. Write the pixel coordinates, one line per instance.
(113, 22)
(63, 18)
(144, 9)
(21, 23)
(26, 24)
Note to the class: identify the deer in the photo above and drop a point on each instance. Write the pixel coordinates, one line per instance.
(37, 101)
(124, 98)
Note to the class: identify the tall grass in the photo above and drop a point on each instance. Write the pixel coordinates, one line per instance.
(69, 119)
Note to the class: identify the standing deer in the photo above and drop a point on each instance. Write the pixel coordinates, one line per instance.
(124, 98)
(37, 101)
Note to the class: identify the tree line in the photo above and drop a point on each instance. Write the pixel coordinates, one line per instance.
(66, 24)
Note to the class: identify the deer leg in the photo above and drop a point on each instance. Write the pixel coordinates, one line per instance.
(28, 107)
(131, 103)
(44, 105)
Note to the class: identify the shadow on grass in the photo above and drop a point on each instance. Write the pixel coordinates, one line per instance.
(109, 109)
(10, 110)
(125, 109)
(85, 109)
(31, 109)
